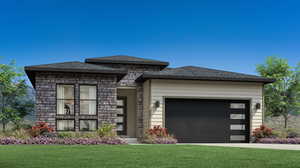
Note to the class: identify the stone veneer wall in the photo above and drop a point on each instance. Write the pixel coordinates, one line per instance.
(106, 94)
(45, 86)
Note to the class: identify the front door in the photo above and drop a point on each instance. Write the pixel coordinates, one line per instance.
(121, 115)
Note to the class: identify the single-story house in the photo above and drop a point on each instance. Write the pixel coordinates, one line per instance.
(195, 104)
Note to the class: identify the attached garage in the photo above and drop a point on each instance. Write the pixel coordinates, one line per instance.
(207, 120)
(200, 105)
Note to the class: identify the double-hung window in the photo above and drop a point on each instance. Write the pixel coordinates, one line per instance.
(88, 100)
(65, 99)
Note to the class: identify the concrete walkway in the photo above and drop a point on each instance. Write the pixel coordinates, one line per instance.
(250, 145)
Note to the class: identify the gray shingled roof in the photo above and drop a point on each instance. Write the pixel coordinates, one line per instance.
(200, 73)
(125, 59)
(73, 67)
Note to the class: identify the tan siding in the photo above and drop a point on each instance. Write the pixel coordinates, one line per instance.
(204, 89)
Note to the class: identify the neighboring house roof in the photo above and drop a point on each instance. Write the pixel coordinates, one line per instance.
(125, 59)
(200, 73)
(75, 66)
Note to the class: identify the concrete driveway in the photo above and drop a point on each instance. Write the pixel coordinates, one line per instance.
(251, 145)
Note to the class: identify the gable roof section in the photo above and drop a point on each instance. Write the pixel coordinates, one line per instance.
(125, 59)
(72, 67)
(200, 73)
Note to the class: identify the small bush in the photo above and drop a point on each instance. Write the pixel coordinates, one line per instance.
(158, 135)
(292, 133)
(262, 132)
(158, 131)
(285, 133)
(22, 126)
(39, 129)
(279, 133)
(21, 134)
(107, 130)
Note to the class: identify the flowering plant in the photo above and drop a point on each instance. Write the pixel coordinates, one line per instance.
(262, 132)
(158, 135)
(158, 131)
(39, 129)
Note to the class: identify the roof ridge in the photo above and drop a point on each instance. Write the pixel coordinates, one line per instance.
(218, 70)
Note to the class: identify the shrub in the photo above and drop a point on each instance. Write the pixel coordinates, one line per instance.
(107, 130)
(39, 129)
(292, 133)
(262, 132)
(22, 126)
(158, 131)
(158, 135)
(285, 133)
(279, 133)
(21, 134)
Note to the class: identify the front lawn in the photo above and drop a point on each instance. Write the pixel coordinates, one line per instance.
(131, 156)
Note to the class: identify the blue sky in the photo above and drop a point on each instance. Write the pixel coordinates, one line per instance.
(230, 35)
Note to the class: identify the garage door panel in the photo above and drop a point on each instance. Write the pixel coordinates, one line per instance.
(194, 120)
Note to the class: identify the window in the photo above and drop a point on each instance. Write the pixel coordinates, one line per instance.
(88, 100)
(237, 116)
(237, 137)
(65, 99)
(237, 106)
(88, 125)
(237, 127)
(65, 125)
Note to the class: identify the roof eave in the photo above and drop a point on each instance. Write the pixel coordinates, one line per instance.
(30, 71)
(145, 77)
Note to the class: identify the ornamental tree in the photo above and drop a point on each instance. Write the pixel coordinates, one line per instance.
(282, 98)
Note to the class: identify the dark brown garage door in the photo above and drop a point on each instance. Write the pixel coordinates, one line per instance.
(208, 121)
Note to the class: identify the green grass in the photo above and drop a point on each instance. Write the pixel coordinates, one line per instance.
(139, 156)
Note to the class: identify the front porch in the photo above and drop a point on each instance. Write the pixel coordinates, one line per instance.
(126, 123)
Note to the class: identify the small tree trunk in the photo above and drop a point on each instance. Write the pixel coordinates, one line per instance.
(285, 121)
(3, 127)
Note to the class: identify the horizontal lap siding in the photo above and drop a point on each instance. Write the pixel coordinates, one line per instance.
(203, 89)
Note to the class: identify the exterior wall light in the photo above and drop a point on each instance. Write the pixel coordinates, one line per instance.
(156, 104)
(257, 106)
